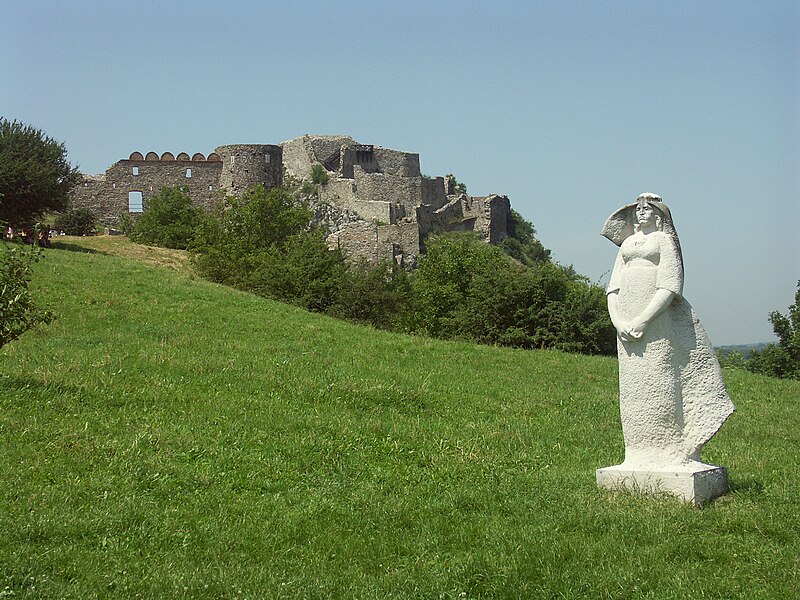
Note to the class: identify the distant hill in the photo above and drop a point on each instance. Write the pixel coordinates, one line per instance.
(743, 349)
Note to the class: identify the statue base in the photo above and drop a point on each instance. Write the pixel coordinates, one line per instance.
(696, 483)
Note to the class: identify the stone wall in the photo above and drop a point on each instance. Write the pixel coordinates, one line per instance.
(246, 165)
(394, 189)
(487, 216)
(370, 242)
(108, 194)
(301, 153)
(376, 203)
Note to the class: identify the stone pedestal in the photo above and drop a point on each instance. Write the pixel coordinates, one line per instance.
(697, 483)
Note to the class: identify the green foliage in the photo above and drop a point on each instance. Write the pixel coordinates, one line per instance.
(76, 221)
(262, 243)
(18, 312)
(318, 174)
(126, 222)
(460, 188)
(35, 176)
(378, 295)
(465, 289)
(169, 221)
(521, 242)
(781, 360)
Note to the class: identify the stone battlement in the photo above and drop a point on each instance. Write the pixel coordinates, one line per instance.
(376, 203)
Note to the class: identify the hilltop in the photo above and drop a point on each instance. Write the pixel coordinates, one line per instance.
(166, 436)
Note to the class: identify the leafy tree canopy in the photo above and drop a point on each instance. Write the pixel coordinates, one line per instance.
(35, 176)
(521, 242)
(169, 221)
(781, 360)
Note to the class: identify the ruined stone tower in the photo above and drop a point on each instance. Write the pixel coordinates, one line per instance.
(245, 165)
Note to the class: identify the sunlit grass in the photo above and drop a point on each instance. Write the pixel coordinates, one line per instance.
(169, 437)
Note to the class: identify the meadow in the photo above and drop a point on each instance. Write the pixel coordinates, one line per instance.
(169, 437)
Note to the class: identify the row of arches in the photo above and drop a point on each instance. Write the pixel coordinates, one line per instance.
(197, 156)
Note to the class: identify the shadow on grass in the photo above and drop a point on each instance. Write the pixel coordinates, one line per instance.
(746, 485)
(75, 247)
(13, 383)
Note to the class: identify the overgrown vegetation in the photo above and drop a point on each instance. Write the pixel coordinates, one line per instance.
(35, 176)
(18, 311)
(76, 221)
(463, 288)
(780, 360)
(458, 187)
(166, 437)
(170, 220)
(521, 242)
(319, 175)
(466, 289)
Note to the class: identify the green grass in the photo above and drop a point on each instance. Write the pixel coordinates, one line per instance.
(167, 437)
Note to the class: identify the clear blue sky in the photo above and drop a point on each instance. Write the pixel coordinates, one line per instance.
(570, 108)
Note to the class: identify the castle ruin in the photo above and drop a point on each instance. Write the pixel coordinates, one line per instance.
(376, 202)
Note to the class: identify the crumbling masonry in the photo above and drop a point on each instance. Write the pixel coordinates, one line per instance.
(376, 203)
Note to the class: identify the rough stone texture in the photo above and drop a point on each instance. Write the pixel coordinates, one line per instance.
(107, 194)
(376, 203)
(672, 396)
(301, 153)
(245, 165)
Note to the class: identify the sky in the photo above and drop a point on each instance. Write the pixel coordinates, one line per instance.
(570, 108)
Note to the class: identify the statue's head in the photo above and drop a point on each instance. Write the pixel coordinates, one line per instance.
(649, 210)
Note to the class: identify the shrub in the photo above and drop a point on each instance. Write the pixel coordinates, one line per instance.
(169, 221)
(469, 290)
(379, 295)
(76, 221)
(241, 234)
(319, 175)
(18, 312)
(521, 242)
(781, 360)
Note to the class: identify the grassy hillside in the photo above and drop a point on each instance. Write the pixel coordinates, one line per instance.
(167, 437)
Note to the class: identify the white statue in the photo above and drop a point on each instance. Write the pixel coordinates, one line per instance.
(672, 396)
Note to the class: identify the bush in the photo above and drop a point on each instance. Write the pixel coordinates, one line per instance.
(319, 175)
(781, 360)
(18, 312)
(249, 233)
(521, 242)
(379, 295)
(169, 221)
(76, 221)
(466, 289)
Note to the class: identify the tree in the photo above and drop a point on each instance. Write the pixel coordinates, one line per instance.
(18, 313)
(521, 242)
(781, 360)
(76, 221)
(170, 220)
(35, 176)
(466, 289)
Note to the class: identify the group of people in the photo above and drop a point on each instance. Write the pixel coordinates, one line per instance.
(29, 235)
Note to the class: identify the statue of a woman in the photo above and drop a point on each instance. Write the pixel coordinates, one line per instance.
(672, 396)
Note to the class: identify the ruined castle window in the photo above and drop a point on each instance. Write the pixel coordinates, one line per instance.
(188, 172)
(135, 204)
(135, 170)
